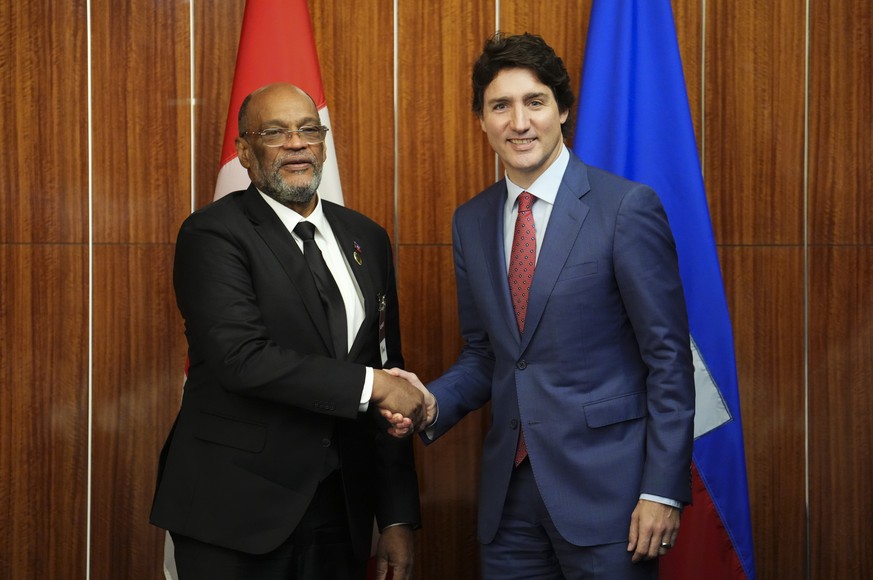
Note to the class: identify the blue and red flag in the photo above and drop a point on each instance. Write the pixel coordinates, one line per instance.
(634, 120)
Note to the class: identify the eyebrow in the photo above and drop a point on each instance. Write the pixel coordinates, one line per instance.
(537, 95)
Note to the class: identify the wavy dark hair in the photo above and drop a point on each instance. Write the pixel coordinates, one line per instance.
(527, 51)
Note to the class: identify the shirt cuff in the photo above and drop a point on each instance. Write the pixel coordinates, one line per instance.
(663, 500)
(368, 390)
(394, 525)
(430, 430)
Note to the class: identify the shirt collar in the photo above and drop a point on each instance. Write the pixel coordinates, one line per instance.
(291, 218)
(546, 185)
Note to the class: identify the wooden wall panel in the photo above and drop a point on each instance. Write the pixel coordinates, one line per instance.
(44, 121)
(764, 286)
(448, 470)
(43, 410)
(443, 159)
(688, 16)
(139, 361)
(356, 54)
(443, 156)
(217, 25)
(142, 119)
(840, 406)
(43, 290)
(841, 273)
(754, 120)
(840, 112)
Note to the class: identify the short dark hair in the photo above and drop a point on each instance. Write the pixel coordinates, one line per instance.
(527, 51)
(242, 116)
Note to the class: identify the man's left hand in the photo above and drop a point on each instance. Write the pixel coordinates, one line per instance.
(395, 551)
(653, 530)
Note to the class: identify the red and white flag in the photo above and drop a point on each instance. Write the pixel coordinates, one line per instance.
(276, 44)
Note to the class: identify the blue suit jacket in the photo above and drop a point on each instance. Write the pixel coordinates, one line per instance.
(602, 377)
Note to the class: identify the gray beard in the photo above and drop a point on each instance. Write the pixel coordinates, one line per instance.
(286, 194)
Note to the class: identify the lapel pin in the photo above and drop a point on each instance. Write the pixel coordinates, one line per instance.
(358, 254)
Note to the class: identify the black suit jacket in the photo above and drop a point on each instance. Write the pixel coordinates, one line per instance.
(266, 406)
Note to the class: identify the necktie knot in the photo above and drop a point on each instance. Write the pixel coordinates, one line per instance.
(526, 201)
(305, 230)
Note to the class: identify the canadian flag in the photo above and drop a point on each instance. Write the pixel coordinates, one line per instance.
(276, 44)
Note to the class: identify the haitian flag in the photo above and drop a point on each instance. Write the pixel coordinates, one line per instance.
(634, 120)
(276, 44)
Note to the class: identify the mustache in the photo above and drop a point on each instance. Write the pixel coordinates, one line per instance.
(295, 158)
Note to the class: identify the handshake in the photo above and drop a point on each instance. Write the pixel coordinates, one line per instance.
(403, 401)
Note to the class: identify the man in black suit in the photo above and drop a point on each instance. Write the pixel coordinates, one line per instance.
(279, 460)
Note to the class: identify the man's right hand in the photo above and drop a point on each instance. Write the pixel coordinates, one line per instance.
(400, 397)
(401, 427)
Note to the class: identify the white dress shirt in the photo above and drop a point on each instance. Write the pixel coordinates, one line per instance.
(339, 268)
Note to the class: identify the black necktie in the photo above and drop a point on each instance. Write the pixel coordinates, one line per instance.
(327, 288)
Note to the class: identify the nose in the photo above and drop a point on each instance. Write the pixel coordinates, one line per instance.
(295, 142)
(519, 120)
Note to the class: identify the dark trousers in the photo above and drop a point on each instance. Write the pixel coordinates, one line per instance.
(528, 546)
(319, 548)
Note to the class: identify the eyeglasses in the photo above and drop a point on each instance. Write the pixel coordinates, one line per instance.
(276, 137)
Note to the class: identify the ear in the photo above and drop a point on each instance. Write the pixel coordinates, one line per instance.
(482, 123)
(243, 152)
(564, 116)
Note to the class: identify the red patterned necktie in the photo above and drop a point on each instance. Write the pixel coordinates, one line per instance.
(522, 261)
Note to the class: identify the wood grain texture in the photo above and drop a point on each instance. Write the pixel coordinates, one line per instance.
(754, 120)
(764, 286)
(840, 406)
(448, 470)
(356, 56)
(754, 102)
(840, 113)
(217, 25)
(44, 121)
(142, 120)
(139, 362)
(688, 17)
(443, 156)
(43, 410)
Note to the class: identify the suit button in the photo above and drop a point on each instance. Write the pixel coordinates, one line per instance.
(513, 424)
(521, 365)
(325, 442)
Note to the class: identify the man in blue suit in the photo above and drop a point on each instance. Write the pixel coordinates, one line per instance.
(575, 330)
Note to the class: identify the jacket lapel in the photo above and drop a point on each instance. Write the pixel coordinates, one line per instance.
(274, 234)
(494, 248)
(566, 220)
(349, 240)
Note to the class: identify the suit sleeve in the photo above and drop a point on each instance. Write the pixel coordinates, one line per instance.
(647, 272)
(222, 282)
